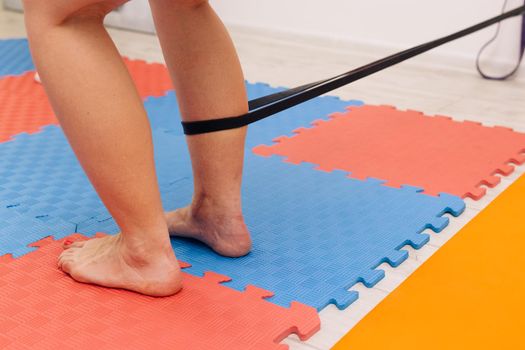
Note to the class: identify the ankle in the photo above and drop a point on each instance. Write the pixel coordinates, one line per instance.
(146, 245)
(204, 206)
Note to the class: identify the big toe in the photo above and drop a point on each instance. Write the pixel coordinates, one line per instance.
(68, 244)
(65, 261)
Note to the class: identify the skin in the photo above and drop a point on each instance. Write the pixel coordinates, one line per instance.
(106, 124)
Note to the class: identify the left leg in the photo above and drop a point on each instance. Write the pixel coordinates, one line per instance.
(105, 122)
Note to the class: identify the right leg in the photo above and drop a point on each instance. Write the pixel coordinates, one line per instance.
(105, 122)
(209, 83)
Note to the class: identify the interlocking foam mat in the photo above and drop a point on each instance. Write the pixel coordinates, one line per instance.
(468, 295)
(41, 178)
(42, 308)
(315, 234)
(17, 231)
(15, 58)
(407, 147)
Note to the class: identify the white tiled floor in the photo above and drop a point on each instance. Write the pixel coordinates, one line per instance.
(425, 83)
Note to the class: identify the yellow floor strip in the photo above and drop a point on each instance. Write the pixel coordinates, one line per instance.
(469, 295)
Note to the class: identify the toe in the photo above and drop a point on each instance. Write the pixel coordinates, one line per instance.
(68, 244)
(65, 258)
(64, 262)
(69, 252)
(78, 244)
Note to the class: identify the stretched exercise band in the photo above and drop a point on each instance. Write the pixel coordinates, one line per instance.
(266, 106)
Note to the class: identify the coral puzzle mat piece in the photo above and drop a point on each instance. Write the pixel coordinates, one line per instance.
(407, 147)
(164, 114)
(15, 58)
(24, 106)
(151, 79)
(468, 295)
(315, 234)
(42, 308)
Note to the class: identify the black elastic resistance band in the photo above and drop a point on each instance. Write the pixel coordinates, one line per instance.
(266, 106)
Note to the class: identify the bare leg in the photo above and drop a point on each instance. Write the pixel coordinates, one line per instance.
(105, 122)
(209, 83)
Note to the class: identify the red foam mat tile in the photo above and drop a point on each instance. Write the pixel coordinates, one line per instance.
(151, 79)
(24, 106)
(42, 308)
(406, 148)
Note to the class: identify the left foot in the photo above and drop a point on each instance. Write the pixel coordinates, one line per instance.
(115, 262)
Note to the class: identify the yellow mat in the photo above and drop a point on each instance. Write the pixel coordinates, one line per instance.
(469, 295)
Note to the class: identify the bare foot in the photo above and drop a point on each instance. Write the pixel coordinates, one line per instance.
(113, 262)
(222, 230)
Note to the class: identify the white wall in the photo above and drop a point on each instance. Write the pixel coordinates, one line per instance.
(385, 23)
(134, 15)
(388, 24)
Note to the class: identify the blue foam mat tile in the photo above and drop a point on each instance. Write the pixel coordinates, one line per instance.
(104, 223)
(15, 58)
(95, 225)
(292, 210)
(371, 277)
(170, 155)
(17, 231)
(315, 234)
(164, 114)
(41, 178)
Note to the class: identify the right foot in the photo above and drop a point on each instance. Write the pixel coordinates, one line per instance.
(224, 231)
(115, 263)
